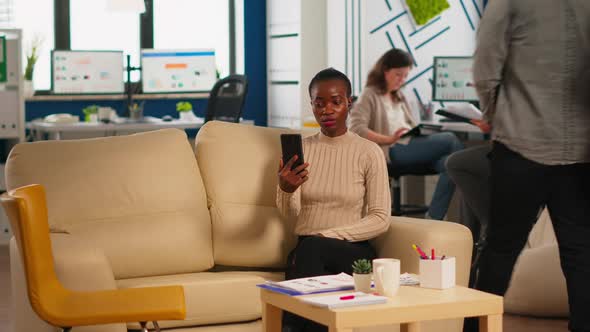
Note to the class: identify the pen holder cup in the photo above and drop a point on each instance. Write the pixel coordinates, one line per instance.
(437, 273)
(136, 114)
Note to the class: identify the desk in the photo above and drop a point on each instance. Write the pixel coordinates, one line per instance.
(410, 306)
(40, 128)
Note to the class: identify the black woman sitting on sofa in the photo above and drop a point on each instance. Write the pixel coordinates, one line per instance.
(343, 174)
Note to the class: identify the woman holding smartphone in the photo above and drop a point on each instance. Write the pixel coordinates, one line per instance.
(383, 115)
(340, 195)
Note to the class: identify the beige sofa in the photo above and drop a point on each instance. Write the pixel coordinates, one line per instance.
(141, 210)
(537, 287)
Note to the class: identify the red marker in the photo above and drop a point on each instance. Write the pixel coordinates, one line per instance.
(420, 252)
(347, 297)
(432, 256)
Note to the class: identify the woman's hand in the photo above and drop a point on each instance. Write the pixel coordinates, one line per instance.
(291, 179)
(397, 135)
(483, 125)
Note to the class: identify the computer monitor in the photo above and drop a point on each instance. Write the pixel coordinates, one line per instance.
(453, 79)
(178, 70)
(87, 72)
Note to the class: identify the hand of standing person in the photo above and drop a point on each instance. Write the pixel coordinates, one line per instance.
(483, 125)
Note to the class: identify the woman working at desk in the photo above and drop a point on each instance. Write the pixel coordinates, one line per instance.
(382, 115)
(340, 195)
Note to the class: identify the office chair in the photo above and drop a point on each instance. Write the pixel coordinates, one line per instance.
(61, 307)
(227, 98)
(395, 174)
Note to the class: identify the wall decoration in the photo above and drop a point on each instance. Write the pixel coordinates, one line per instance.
(422, 11)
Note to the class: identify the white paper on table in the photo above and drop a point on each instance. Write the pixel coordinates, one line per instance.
(408, 279)
(344, 300)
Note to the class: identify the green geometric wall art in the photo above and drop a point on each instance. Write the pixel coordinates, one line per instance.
(424, 10)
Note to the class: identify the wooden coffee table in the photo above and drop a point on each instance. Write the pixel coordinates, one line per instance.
(410, 306)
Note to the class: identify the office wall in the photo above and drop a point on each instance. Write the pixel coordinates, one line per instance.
(359, 32)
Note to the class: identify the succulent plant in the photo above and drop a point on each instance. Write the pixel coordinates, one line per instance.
(362, 266)
(184, 106)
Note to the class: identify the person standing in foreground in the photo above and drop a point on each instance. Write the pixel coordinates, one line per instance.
(532, 74)
(340, 195)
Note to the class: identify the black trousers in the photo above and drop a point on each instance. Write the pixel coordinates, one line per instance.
(520, 189)
(315, 256)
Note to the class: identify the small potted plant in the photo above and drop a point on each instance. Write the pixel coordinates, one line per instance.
(185, 110)
(32, 57)
(90, 113)
(362, 273)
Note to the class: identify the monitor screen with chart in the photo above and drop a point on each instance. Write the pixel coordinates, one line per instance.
(178, 70)
(87, 72)
(453, 79)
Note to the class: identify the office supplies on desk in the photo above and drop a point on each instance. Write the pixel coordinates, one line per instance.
(345, 300)
(419, 251)
(437, 273)
(408, 279)
(310, 285)
(61, 118)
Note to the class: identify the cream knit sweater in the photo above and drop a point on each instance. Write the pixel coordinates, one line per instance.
(347, 195)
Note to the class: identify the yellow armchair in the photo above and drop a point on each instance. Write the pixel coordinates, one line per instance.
(63, 308)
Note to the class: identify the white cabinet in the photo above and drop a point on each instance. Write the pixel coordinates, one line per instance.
(296, 51)
(12, 109)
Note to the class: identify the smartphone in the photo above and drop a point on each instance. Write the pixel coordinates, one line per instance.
(291, 146)
(412, 132)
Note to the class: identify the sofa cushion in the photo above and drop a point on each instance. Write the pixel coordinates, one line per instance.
(542, 233)
(139, 198)
(212, 297)
(538, 285)
(239, 164)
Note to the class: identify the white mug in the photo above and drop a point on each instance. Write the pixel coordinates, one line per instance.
(386, 273)
(105, 113)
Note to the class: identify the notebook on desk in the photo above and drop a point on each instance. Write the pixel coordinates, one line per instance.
(344, 300)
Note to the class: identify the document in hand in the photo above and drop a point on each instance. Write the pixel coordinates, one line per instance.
(461, 112)
(318, 284)
(344, 300)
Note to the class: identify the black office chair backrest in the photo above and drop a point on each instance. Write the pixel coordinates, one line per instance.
(227, 98)
(418, 169)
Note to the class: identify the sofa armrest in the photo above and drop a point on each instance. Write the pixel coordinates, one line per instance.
(448, 238)
(79, 267)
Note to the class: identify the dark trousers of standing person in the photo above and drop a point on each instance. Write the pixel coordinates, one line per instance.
(314, 256)
(520, 189)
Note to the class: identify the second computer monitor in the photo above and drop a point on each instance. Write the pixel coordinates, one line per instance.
(453, 79)
(178, 70)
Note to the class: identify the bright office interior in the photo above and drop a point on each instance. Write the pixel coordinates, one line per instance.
(99, 62)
